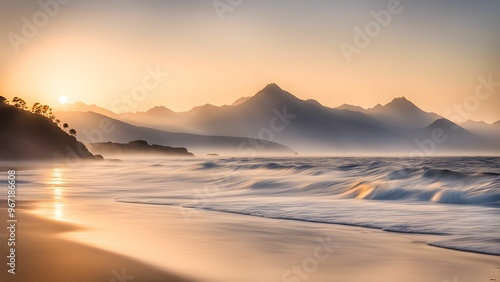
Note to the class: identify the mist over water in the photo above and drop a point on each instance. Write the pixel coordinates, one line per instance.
(456, 199)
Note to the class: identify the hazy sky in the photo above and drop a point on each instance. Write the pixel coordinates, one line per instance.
(432, 52)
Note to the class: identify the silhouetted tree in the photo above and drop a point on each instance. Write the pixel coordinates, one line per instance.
(46, 110)
(3, 100)
(72, 132)
(65, 126)
(19, 103)
(37, 108)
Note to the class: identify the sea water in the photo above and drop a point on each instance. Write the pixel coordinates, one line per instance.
(455, 198)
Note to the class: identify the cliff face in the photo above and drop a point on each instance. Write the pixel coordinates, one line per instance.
(28, 136)
(138, 147)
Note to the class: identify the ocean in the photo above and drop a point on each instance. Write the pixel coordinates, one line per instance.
(455, 199)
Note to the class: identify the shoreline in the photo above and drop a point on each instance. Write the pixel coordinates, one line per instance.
(240, 248)
(43, 255)
(220, 247)
(430, 244)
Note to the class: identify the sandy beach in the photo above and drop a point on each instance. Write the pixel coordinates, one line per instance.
(218, 246)
(73, 226)
(42, 255)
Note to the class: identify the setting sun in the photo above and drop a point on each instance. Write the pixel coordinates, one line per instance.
(63, 99)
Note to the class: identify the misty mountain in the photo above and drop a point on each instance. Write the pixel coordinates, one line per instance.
(351, 108)
(82, 107)
(159, 110)
(481, 128)
(444, 136)
(96, 128)
(399, 112)
(240, 101)
(402, 113)
(276, 115)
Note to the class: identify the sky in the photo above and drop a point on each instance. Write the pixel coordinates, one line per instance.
(101, 52)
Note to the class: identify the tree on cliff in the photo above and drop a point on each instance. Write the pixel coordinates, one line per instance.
(19, 103)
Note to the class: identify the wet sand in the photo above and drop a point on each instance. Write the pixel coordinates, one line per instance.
(217, 246)
(43, 256)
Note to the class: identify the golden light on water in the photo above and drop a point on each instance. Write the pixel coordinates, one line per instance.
(56, 183)
(58, 211)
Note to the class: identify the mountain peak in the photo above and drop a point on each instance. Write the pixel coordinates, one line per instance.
(401, 104)
(272, 87)
(402, 98)
(275, 93)
(314, 102)
(471, 122)
(401, 101)
(350, 108)
(159, 110)
(240, 101)
(444, 123)
(83, 107)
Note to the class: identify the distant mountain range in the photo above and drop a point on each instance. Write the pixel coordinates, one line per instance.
(399, 112)
(276, 115)
(97, 128)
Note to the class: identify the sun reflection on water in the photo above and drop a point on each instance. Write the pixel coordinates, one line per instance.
(57, 182)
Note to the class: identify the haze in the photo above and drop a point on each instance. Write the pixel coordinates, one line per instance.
(94, 51)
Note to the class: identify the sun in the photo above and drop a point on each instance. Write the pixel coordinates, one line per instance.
(63, 99)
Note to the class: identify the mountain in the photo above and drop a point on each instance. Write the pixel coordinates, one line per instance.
(476, 126)
(82, 107)
(276, 115)
(159, 110)
(314, 102)
(307, 126)
(96, 128)
(483, 129)
(444, 136)
(351, 108)
(240, 101)
(158, 117)
(402, 113)
(29, 136)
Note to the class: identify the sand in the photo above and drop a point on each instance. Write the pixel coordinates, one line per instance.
(42, 256)
(218, 247)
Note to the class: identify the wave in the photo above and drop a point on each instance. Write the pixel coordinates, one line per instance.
(363, 179)
(208, 165)
(441, 194)
(472, 244)
(265, 166)
(452, 198)
(374, 217)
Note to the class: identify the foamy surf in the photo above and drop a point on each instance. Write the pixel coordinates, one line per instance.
(425, 196)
